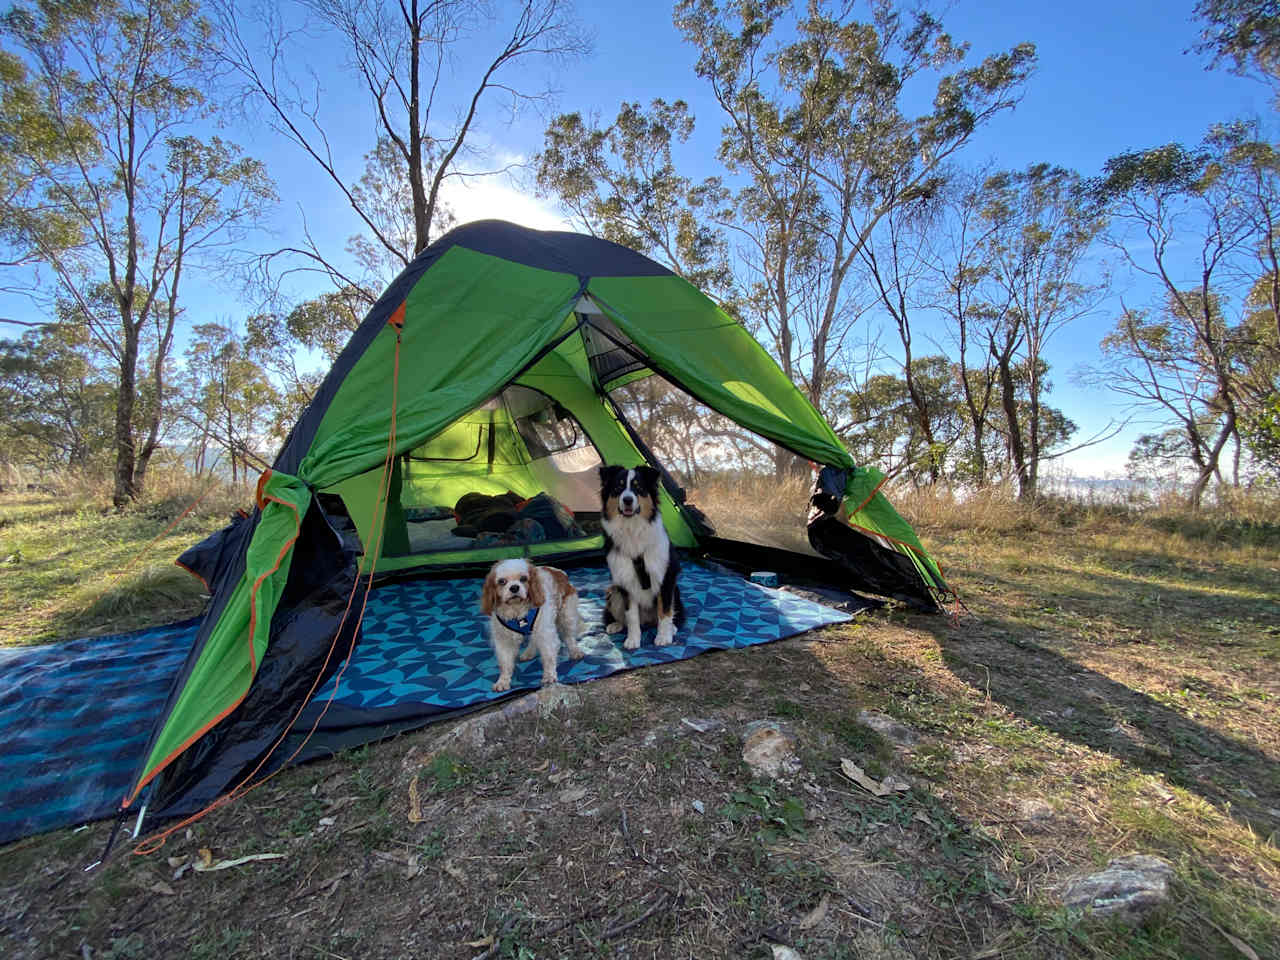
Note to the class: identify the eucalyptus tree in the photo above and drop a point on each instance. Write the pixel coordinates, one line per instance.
(819, 145)
(1044, 226)
(56, 403)
(959, 275)
(1201, 224)
(122, 191)
(1244, 35)
(897, 265)
(430, 75)
(230, 401)
(620, 182)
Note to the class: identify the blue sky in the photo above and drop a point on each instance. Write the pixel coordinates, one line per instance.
(1111, 77)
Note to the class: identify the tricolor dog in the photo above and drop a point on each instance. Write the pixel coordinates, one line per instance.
(641, 562)
(534, 602)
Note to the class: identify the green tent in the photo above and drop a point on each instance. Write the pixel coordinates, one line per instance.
(484, 371)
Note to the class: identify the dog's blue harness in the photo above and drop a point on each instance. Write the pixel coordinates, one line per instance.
(524, 625)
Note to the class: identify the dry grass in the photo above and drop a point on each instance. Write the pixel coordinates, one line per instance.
(1112, 690)
(756, 508)
(71, 565)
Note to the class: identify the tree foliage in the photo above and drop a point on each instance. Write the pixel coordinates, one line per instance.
(119, 196)
(818, 146)
(56, 404)
(620, 182)
(1206, 356)
(1244, 35)
(1043, 226)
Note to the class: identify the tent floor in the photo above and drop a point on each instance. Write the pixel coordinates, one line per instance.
(424, 656)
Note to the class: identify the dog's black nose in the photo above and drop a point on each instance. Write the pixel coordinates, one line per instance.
(515, 588)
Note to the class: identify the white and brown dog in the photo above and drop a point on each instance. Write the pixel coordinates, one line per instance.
(642, 564)
(539, 603)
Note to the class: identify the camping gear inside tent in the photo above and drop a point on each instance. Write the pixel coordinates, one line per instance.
(464, 422)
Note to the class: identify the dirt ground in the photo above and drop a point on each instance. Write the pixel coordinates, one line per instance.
(1095, 701)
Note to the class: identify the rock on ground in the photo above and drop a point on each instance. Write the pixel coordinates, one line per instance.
(899, 734)
(769, 750)
(1128, 889)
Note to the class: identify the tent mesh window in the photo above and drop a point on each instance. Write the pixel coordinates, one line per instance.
(519, 469)
(750, 488)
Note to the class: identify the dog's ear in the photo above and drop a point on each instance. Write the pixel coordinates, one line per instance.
(648, 478)
(536, 595)
(489, 593)
(607, 473)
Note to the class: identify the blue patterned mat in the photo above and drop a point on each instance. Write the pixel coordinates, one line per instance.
(74, 716)
(429, 643)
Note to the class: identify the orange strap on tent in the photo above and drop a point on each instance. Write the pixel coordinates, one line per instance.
(247, 785)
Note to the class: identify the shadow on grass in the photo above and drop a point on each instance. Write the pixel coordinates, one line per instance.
(1087, 707)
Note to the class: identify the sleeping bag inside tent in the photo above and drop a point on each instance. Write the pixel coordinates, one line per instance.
(465, 422)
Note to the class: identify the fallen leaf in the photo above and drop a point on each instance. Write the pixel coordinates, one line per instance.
(892, 784)
(162, 888)
(783, 952)
(206, 866)
(542, 766)
(177, 861)
(415, 805)
(698, 806)
(816, 915)
(572, 795)
(859, 776)
(486, 942)
(206, 858)
(922, 818)
(327, 821)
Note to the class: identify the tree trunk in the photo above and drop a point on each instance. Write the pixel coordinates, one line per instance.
(1009, 401)
(125, 491)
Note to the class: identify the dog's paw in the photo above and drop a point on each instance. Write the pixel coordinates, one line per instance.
(549, 679)
(631, 643)
(575, 652)
(502, 685)
(614, 627)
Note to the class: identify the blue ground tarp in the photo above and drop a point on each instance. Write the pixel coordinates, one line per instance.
(74, 716)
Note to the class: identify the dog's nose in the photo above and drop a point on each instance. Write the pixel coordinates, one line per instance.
(514, 588)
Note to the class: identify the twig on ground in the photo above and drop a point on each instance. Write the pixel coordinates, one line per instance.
(664, 900)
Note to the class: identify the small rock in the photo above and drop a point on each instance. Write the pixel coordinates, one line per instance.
(557, 695)
(896, 733)
(1035, 813)
(782, 952)
(701, 726)
(698, 806)
(769, 750)
(572, 795)
(1128, 889)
